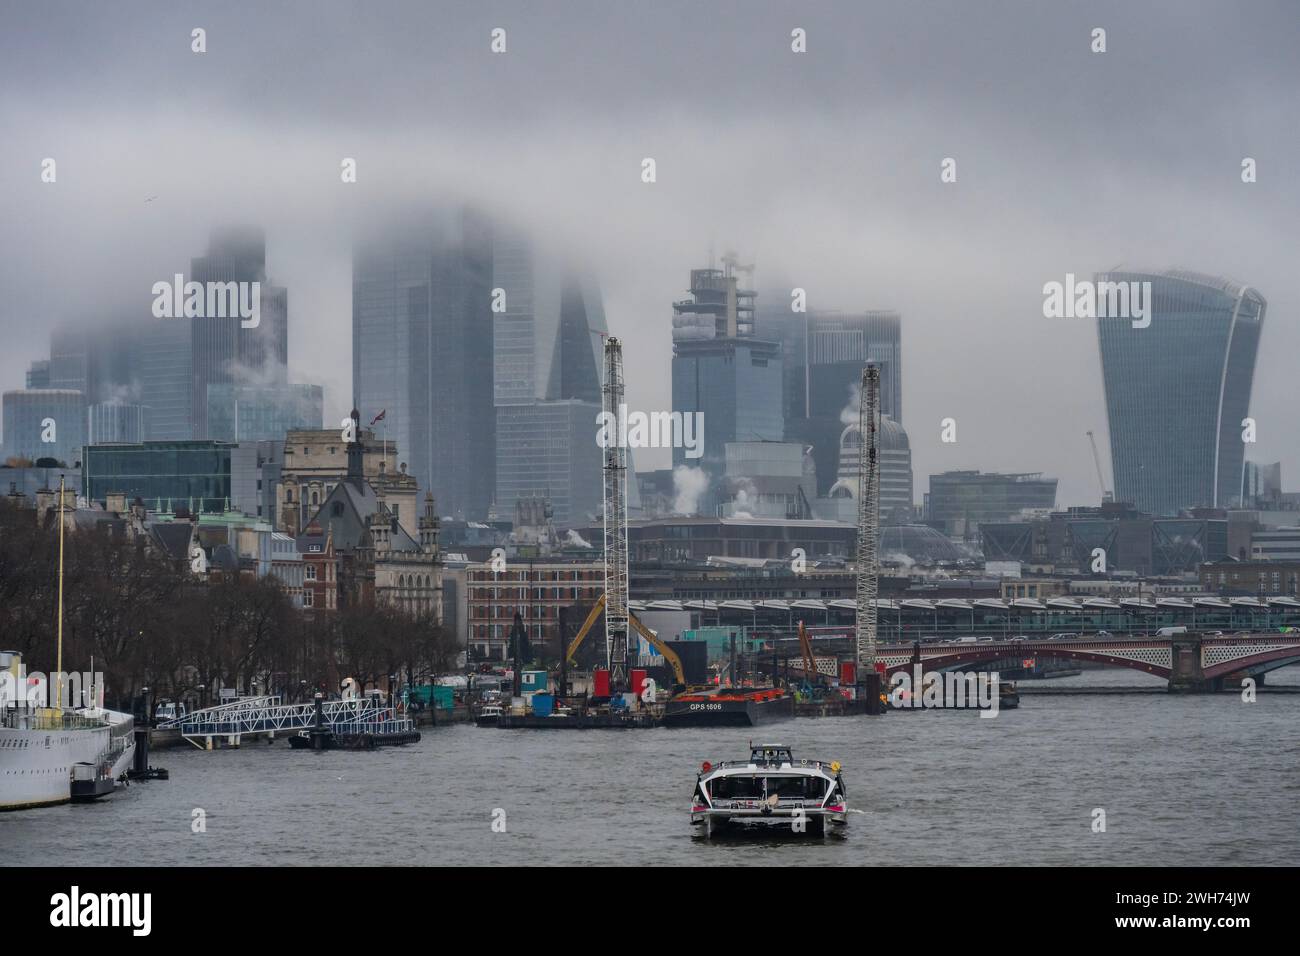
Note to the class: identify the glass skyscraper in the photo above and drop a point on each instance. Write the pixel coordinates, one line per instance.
(422, 352)
(547, 369)
(223, 351)
(723, 371)
(824, 353)
(549, 449)
(1178, 390)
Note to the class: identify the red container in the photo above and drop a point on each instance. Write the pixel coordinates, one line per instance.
(848, 673)
(638, 680)
(600, 683)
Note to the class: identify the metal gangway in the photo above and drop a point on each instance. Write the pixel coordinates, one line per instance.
(253, 716)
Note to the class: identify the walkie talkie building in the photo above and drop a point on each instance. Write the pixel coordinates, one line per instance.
(1178, 389)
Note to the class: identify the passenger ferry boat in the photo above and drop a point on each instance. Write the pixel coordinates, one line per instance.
(771, 788)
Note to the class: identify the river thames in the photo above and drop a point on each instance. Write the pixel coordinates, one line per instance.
(1183, 780)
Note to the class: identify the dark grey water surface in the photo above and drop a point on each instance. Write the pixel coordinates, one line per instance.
(1188, 780)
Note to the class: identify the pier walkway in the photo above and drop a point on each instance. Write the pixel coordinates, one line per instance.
(227, 724)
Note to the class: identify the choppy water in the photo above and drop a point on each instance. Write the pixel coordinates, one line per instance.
(1183, 780)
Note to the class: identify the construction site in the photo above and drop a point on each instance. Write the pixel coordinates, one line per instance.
(749, 681)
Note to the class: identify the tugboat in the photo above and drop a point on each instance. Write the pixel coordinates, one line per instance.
(729, 708)
(770, 789)
(489, 716)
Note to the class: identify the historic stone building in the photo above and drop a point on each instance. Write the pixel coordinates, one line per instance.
(363, 522)
(315, 461)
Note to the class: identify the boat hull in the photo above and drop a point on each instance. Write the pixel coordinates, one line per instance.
(36, 766)
(748, 712)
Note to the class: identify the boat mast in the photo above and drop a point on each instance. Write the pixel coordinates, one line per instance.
(58, 673)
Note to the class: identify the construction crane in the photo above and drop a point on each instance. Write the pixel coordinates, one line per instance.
(1096, 461)
(806, 652)
(868, 566)
(615, 472)
(670, 657)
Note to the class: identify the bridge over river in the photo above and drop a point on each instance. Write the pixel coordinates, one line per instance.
(1189, 662)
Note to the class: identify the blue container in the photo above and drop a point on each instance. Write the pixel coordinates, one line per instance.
(543, 705)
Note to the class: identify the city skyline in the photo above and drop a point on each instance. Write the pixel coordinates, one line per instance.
(864, 223)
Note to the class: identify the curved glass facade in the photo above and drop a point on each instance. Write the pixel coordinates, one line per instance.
(1177, 390)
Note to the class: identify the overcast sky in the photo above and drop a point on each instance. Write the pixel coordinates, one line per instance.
(822, 168)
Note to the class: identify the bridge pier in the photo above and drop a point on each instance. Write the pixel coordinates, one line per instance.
(1186, 676)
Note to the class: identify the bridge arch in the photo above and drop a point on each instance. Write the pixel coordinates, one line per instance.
(1260, 663)
(971, 655)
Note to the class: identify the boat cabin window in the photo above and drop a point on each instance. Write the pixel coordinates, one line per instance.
(797, 788)
(736, 788)
(775, 755)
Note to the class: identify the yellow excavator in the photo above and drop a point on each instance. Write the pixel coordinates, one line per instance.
(675, 662)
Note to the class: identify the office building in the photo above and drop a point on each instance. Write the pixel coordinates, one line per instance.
(723, 372)
(1133, 541)
(960, 502)
(194, 475)
(251, 413)
(1178, 389)
(549, 449)
(44, 423)
(422, 351)
(223, 351)
(895, 457)
(120, 422)
(547, 373)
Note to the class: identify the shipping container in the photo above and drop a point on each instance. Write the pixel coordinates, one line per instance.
(543, 705)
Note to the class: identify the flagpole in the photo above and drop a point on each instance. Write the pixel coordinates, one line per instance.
(58, 683)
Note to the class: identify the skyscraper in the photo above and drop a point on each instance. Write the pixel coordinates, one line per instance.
(547, 381)
(1177, 391)
(422, 351)
(223, 350)
(722, 370)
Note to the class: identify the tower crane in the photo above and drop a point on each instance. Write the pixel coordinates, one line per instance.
(868, 565)
(614, 602)
(615, 472)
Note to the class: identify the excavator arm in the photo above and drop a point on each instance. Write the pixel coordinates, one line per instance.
(675, 662)
(586, 626)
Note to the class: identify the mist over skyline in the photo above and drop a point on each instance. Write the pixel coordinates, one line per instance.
(822, 169)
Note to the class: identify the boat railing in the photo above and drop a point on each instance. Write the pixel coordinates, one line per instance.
(764, 765)
(398, 725)
(46, 718)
